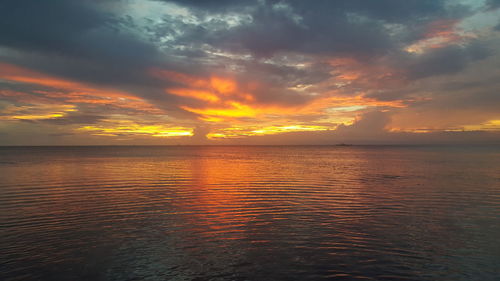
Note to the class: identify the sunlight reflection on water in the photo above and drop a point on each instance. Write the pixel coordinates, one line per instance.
(249, 213)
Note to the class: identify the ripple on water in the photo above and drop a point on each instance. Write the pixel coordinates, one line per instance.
(249, 213)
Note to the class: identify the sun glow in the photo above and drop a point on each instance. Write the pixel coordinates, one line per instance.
(238, 132)
(124, 127)
(234, 110)
(225, 99)
(491, 125)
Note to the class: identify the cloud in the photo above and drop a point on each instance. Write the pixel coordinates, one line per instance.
(447, 60)
(245, 68)
(70, 28)
(36, 25)
(200, 135)
(368, 124)
(492, 4)
(73, 119)
(323, 27)
(370, 130)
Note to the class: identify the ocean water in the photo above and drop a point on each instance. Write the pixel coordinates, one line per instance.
(250, 213)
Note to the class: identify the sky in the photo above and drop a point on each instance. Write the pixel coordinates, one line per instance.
(249, 72)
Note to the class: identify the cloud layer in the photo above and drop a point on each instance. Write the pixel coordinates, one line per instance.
(195, 72)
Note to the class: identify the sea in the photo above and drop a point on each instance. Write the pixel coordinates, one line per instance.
(250, 213)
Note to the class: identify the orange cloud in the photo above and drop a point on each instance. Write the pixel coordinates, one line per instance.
(180, 78)
(234, 110)
(370, 76)
(439, 33)
(490, 125)
(77, 92)
(227, 100)
(223, 86)
(36, 112)
(224, 96)
(358, 100)
(238, 132)
(18, 74)
(25, 98)
(131, 128)
(442, 28)
(193, 93)
(212, 89)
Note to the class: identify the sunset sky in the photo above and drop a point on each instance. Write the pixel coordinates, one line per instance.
(249, 72)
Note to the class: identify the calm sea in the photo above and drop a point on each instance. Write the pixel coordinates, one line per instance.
(250, 213)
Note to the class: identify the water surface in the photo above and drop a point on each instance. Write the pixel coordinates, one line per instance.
(250, 213)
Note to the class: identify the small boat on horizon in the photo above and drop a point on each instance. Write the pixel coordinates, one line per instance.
(343, 144)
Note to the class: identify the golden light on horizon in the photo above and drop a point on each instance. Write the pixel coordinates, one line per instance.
(125, 127)
(490, 125)
(37, 112)
(234, 109)
(230, 105)
(238, 132)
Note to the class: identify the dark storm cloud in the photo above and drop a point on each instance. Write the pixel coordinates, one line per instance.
(321, 30)
(476, 89)
(75, 40)
(73, 119)
(389, 10)
(46, 25)
(394, 10)
(61, 134)
(276, 32)
(321, 27)
(447, 60)
(214, 5)
(285, 75)
(492, 4)
(69, 28)
(85, 42)
(276, 29)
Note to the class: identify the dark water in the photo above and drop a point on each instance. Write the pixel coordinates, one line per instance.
(250, 213)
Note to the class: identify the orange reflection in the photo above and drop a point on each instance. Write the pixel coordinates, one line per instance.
(222, 211)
